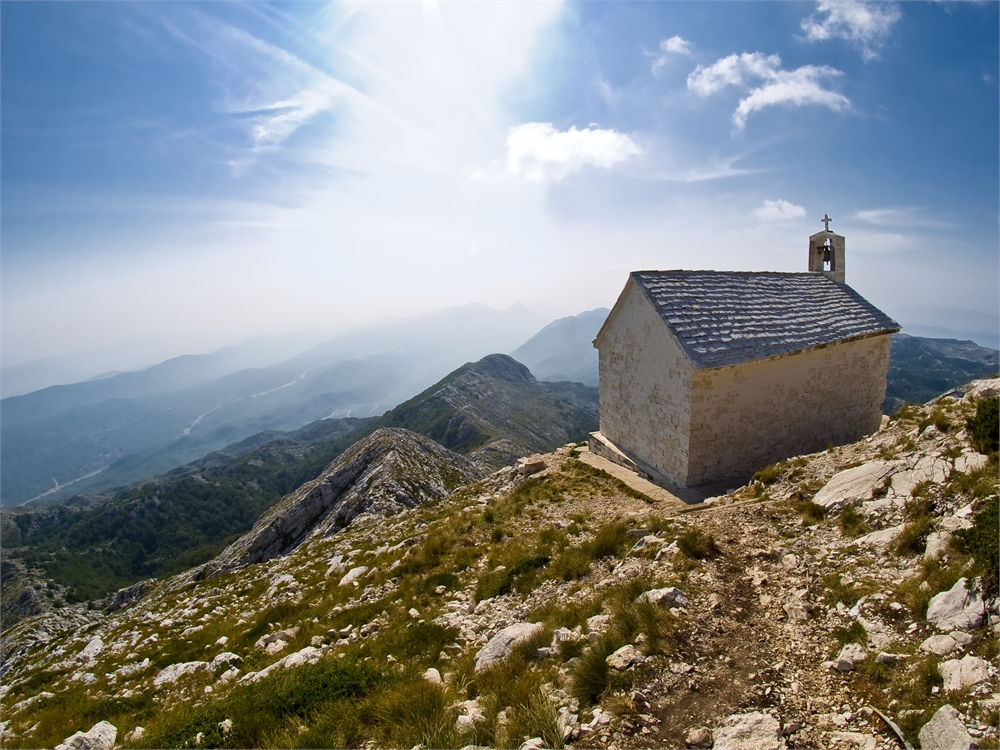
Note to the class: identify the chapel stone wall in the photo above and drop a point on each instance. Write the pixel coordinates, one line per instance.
(645, 387)
(746, 416)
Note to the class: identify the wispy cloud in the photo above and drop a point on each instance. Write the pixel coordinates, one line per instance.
(779, 210)
(537, 150)
(864, 24)
(897, 216)
(269, 92)
(774, 86)
(675, 45)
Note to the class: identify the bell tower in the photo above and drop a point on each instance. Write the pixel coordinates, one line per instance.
(826, 252)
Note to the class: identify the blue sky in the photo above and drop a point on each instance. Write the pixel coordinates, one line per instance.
(177, 177)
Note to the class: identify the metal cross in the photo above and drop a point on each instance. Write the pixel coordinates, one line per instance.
(826, 222)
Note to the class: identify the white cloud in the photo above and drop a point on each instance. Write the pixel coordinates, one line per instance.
(269, 91)
(864, 24)
(675, 45)
(537, 149)
(897, 216)
(791, 87)
(779, 210)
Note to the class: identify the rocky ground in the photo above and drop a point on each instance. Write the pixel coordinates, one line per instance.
(831, 602)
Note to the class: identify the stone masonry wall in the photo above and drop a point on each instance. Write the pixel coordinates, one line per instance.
(645, 383)
(749, 415)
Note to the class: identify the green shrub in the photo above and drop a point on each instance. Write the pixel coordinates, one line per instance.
(984, 427)
(851, 522)
(573, 563)
(415, 713)
(812, 513)
(912, 540)
(768, 475)
(853, 633)
(982, 542)
(610, 540)
(520, 576)
(697, 544)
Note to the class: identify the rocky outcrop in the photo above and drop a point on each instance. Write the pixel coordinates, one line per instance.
(503, 643)
(391, 469)
(128, 596)
(100, 737)
(754, 731)
(945, 731)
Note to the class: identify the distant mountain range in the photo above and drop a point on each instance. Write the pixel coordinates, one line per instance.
(91, 436)
(492, 411)
(94, 435)
(921, 369)
(564, 349)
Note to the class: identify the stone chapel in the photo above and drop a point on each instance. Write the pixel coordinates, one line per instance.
(706, 375)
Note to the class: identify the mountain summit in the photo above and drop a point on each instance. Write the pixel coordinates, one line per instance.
(496, 410)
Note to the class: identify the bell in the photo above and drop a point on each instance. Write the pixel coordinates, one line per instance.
(826, 254)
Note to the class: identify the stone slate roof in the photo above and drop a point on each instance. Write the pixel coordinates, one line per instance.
(723, 318)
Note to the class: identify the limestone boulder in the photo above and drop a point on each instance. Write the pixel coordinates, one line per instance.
(961, 673)
(958, 608)
(500, 645)
(667, 598)
(945, 731)
(93, 649)
(625, 657)
(699, 737)
(849, 656)
(100, 737)
(353, 575)
(938, 543)
(853, 486)
(174, 672)
(753, 731)
(941, 645)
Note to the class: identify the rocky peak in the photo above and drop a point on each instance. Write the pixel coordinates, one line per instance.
(392, 468)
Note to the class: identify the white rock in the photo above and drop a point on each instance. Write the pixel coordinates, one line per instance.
(464, 724)
(956, 609)
(281, 635)
(938, 543)
(226, 726)
(945, 731)
(969, 462)
(962, 639)
(754, 731)
(432, 676)
(353, 574)
(885, 658)
(939, 644)
(308, 655)
(699, 737)
(414, 613)
(136, 734)
(962, 673)
(230, 674)
(222, 641)
(224, 658)
(500, 645)
(598, 623)
(668, 597)
(849, 655)
(275, 647)
(881, 538)
(175, 671)
(100, 737)
(92, 650)
(625, 657)
(853, 486)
